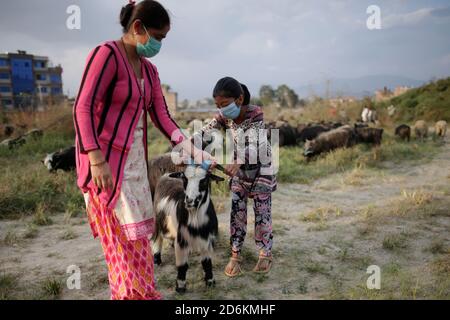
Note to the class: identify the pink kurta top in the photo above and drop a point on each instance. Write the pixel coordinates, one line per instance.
(107, 111)
(134, 208)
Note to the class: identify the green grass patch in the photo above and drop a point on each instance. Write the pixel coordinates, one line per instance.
(294, 168)
(395, 241)
(8, 283)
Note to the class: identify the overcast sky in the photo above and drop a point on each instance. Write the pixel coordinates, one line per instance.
(296, 42)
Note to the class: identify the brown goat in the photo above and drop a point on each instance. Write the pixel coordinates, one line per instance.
(441, 128)
(421, 130)
(369, 135)
(403, 132)
(331, 140)
(159, 166)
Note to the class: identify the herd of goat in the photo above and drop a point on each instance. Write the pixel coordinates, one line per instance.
(323, 137)
(184, 209)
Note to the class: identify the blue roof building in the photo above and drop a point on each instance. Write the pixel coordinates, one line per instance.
(27, 80)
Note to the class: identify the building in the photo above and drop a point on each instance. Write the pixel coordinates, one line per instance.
(28, 81)
(386, 93)
(171, 99)
(341, 101)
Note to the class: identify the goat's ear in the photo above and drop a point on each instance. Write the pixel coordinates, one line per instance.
(213, 177)
(177, 175)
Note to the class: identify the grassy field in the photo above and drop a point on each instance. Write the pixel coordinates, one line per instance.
(333, 217)
(27, 188)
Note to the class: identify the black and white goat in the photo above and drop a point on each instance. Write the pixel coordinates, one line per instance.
(185, 214)
(62, 159)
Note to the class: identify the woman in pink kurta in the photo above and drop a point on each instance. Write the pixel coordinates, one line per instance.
(119, 87)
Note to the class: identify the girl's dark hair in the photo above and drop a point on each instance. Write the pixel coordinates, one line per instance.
(228, 88)
(151, 13)
(247, 96)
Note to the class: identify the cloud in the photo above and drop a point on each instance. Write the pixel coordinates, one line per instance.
(414, 17)
(257, 41)
(445, 60)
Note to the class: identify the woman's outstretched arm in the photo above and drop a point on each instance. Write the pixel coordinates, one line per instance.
(162, 119)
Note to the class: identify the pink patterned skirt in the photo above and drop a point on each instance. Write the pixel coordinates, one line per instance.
(130, 262)
(124, 232)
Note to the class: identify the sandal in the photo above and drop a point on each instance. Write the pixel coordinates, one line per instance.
(237, 265)
(269, 265)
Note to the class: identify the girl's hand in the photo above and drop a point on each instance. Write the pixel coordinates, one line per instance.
(232, 169)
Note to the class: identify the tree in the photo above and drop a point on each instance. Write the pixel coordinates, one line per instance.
(184, 104)
(266, 94)
(166, 87)
(286, 96)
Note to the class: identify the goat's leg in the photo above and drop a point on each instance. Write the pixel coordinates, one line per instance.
(181, 260)
(157, 245)
(207, 266)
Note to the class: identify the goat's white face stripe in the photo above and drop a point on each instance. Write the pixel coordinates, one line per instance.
(194, 175)
(47, 161)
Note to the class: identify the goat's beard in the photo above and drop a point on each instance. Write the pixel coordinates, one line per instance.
(193, 210)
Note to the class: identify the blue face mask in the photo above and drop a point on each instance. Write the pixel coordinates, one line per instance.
(231, 111)
(150, 48)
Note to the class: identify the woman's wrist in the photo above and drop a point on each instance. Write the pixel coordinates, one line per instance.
(98, 164)
(96, 156)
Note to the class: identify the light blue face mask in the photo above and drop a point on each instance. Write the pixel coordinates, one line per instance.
(231, 111)
(150, 48)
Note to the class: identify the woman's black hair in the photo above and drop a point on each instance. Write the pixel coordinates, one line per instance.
(247, 96)
(151, 13)
(228, 88)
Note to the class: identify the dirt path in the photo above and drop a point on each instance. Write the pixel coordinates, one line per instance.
(326, 235)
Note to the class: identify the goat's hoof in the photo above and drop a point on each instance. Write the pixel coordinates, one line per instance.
(180, 290)
(210, 283)
(157, 259)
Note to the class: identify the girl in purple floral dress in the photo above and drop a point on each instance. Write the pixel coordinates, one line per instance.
(252, 179)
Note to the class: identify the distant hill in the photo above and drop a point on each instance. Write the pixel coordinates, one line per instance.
(357, 87)
(430, 102)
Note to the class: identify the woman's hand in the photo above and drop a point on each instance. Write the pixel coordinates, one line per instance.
(100, 170)
(207, 156)
(199, 156)
(189, 151)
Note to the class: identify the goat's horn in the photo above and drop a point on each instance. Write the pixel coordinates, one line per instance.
(220, 168)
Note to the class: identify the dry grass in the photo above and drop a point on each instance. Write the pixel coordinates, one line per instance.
(69, 234)
(8, 283)
(52, 118)
(414, 203)
(41, 217)
(395, 241)
(316, 264)
(321, 214)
